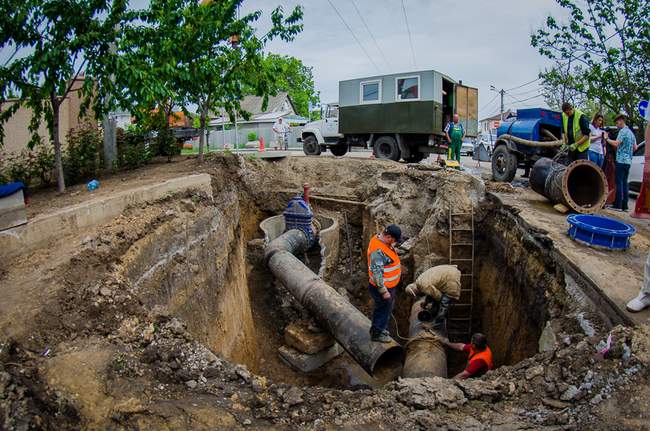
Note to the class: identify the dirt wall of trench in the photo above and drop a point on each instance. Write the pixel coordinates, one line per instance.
(194, 267)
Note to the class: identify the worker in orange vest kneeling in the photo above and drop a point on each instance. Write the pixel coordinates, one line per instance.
(479, 360)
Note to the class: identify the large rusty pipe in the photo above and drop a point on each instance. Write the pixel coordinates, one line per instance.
(346, 323)
(425, 356)
(580, 186)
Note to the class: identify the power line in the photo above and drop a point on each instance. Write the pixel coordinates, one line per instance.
(353, 35)
(523, 100)
(527, 92)
(408, 29)
(488, 104)
(370, 33)
(523, 85)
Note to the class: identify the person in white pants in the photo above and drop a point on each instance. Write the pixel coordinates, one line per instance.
(643, 298)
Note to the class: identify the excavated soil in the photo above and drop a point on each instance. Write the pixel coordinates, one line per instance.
(166, 318)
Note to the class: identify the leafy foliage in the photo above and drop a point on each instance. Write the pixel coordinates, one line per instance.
(28, 165)
(82, 160)
(55, 43)
(252, 136)
(132, 151)
(602, 52)
(296, 79)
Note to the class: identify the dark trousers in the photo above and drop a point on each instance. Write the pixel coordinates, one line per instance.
(383, 308)
(579, 155)
(622, 187)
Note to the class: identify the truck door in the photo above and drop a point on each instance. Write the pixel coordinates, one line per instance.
(331, 126)
(467, 108)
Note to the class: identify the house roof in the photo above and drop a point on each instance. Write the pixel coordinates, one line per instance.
(507, 114)
(253, 105)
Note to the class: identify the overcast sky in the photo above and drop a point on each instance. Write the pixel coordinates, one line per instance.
(480, 42)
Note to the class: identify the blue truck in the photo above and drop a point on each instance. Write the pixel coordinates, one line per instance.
(534, 133)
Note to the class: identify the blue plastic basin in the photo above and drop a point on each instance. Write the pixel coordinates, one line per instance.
(600, 231)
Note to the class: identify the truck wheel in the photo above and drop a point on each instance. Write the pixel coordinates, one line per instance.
(416, 157)
(504, 164)
(386, 148)
(339, 150)
(310, 146)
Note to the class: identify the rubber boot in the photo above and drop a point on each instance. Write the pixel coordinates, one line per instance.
(443, 309)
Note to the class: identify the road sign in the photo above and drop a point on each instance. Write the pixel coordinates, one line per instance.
(643, 108)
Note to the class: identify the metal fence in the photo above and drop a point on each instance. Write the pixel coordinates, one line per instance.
(226, 138)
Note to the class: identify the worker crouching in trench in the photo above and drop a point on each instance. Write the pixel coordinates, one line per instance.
(436, 288)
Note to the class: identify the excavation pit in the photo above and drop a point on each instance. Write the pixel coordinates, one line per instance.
(176, 307)
(245, 317)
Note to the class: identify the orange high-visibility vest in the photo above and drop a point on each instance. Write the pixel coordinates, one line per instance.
(486, 355)
(392, 271)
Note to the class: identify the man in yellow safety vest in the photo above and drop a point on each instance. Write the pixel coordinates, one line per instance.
(575, 132)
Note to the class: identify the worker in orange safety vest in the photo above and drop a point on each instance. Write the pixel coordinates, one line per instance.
(384, 272)
(479, 359)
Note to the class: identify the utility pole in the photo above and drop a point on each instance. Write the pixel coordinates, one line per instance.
(502, 93)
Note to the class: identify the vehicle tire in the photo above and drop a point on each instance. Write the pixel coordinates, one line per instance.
(310, 146)
(504, 164)
(386, 148)
(416, 157)
(339, 150)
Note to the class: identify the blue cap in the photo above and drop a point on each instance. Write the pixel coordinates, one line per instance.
(394, 231)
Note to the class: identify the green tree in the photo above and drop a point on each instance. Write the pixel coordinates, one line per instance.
(296, 79)
(227, 57)
(605, 46)
(182, 52)
(54, 44)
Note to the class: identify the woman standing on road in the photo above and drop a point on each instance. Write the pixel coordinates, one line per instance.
(597, 136)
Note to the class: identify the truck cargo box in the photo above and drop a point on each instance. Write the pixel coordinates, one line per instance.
(411, 102)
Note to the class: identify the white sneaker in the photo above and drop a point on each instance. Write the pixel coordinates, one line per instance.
(639, 303)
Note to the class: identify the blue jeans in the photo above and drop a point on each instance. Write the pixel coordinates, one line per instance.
(597, 158)
(383, 308)
(622, 174)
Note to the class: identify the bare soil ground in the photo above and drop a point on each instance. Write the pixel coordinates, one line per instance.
(132, 325)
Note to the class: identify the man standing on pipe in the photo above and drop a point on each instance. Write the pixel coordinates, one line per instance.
(442, 284)
(480, 355)
(384, 272)
(575, 132)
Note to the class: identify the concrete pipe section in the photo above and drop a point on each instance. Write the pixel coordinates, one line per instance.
(425, 356)
(580, 186)
(346, 323)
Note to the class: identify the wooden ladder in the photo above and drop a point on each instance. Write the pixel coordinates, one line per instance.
(461, 253)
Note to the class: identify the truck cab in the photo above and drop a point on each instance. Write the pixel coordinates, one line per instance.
(321, 134)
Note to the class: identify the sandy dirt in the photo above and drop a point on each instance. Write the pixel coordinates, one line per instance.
(119, 327)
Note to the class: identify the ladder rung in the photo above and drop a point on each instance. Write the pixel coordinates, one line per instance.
(457, 214)
(466, 290)
(461, 229)
(462, 243)
(467, 275)
(461, 260)
(459, 318)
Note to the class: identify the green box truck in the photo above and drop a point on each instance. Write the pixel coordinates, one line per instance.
(399, 116)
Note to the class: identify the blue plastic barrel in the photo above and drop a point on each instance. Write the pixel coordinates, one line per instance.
(600, 231)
